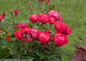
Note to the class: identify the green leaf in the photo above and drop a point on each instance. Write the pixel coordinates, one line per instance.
(12, 52)
(6, 43)
(16, 56)
(61, 52)
(40, 53)
(15, 45)
(54, 59)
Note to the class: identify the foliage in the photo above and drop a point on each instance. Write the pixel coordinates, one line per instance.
(80, 52)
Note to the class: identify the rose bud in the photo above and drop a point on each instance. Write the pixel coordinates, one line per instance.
(26, 30)
(52, 20)
(4, 13)
(34, 33)
(22, 25)
(59, 18)
(33, 18)
(68, 31)
(7, 37)
(43, 37)
(60, 39)
(41, 0)
(13, 49)
(44, 46)
(27, 39)
(60, 26)
(47, 1)
(1, 17)
(42, 17)
(48, 31)
(19, 33)
(16, 11)
(54, 5)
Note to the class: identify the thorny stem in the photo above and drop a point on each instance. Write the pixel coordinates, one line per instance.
(40, 6)
(50, 27)
(45, 7)
(20, 44)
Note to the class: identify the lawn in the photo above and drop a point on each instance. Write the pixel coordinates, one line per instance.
(72, 11)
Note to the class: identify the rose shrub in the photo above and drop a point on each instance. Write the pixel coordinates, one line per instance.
(38, 39)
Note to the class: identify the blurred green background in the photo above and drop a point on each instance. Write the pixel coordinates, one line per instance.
(72, 11)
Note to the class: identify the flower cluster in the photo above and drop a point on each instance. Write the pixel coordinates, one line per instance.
(53, 18)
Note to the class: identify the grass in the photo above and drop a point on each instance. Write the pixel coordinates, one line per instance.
(72, 11)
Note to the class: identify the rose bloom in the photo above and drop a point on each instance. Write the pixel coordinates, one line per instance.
(19, 33)
(52, 20)
(34, 33)
(60, 39)
(43, 37)
(26, 30)
(60, 26)
(27, 39)
(22, 25)
(1, 17)
(33, 18)
(68, 31)
(16, 11)
(55, 14)
(42, 17)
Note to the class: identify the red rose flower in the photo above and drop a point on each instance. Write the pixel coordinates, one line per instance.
(16, 11)
(26, 30)
(19, 33)
(7, 38)
(48, 31)
(60, 39)
(59, 18)
(27, 39)
(1, 17)
(33, 18)
(4, 13)
(42, 17)
(47, 1)
(34, 33)
(60, 26)
(43, 37)
(52, 20)
(21, 25)
(41, 0)
(68, 31)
